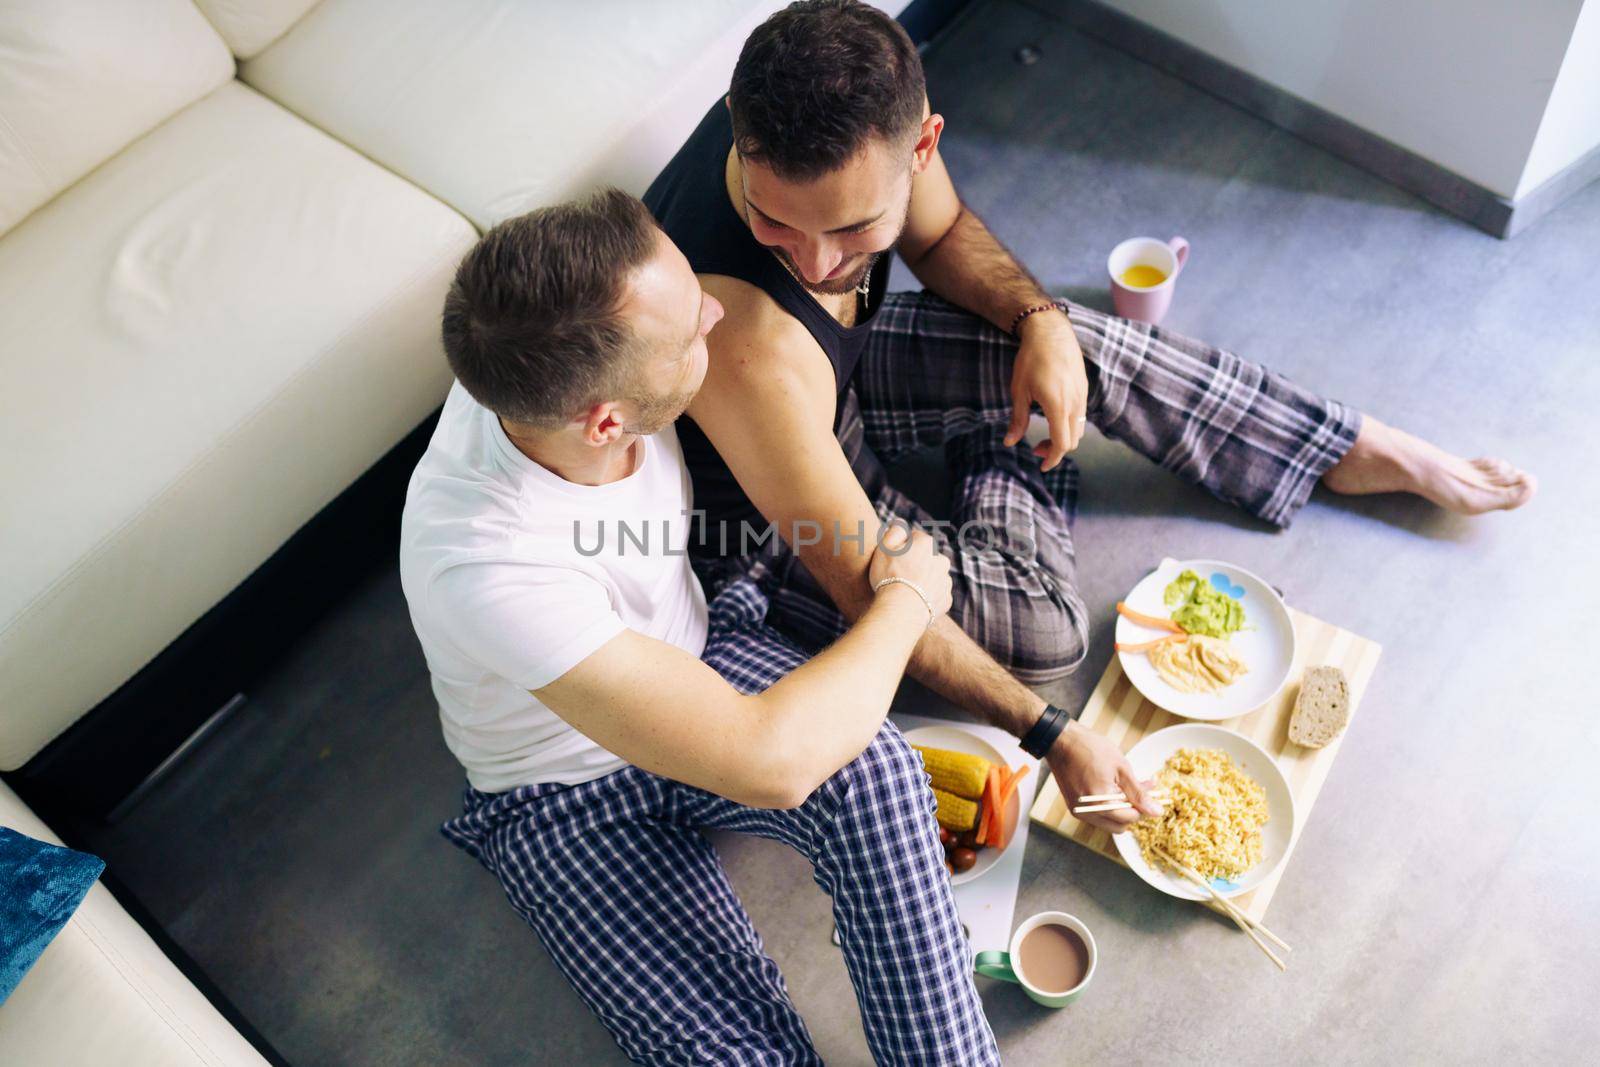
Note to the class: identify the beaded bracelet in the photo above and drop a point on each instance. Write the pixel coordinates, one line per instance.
(1016, 322)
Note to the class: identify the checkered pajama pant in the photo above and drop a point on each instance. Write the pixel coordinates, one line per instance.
(632, 903)
(934, 375)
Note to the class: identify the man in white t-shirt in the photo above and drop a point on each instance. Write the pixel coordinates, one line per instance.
(606, 715)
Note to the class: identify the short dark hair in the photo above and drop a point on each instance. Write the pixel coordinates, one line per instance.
(817, 80)
(532, 326)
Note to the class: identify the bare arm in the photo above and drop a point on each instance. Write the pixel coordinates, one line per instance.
(768, 405)
(664, 711)
(661, 709)
(953, 253)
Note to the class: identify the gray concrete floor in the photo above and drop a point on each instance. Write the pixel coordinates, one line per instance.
(1442, 900)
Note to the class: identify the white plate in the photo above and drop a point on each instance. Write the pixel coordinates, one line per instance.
(955, 739)
(1148, 757)
(1266, 644)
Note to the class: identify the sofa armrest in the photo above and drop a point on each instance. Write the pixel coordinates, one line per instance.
(104, 992)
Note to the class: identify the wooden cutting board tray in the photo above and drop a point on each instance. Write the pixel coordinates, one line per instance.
(1119, 711)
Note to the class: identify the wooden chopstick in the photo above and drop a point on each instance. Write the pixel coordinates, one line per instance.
(1240, 920)
(1157, 791)
(1199, 880)
(1113, 802)
(1243, 921)
(1118, 805)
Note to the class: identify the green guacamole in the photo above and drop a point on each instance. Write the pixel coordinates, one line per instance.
(1202, 608)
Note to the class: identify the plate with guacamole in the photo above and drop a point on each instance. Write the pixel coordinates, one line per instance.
(1205, 639)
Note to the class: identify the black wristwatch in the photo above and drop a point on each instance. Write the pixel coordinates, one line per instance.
(1037, 741)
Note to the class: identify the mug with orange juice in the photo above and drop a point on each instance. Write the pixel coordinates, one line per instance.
(1143, 271)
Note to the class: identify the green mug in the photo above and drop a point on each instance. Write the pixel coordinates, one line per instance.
(999, 965)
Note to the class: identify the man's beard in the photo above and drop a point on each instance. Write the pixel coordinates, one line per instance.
(658, 412)
(832, 286)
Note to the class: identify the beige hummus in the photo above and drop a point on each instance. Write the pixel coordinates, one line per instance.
(1198, 665)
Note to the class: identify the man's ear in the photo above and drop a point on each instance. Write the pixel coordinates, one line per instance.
(602, 423)
(927, 143)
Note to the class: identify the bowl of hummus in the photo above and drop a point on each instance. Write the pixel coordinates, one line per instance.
(1238, 643)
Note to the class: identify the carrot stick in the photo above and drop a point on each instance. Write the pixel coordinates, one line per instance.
(1145, 646)
(1147, 620)
(1008, 786)
(1008, 782)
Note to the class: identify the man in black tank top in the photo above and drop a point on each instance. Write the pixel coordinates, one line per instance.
(786, 200)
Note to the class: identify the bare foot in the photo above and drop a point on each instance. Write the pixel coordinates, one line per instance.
(1387, 460)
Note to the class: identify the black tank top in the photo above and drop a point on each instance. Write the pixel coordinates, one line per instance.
(689, 199)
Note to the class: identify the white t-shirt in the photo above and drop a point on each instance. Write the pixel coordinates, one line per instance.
(515, 575)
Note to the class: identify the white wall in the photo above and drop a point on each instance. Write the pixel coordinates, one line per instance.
(1463, 83)
(1571, 125)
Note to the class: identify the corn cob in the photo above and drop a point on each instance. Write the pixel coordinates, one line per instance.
(955, 772)
(955, 814)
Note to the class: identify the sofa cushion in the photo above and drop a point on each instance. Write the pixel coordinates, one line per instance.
(41, 885)
(104, 992)
(206, 340)
(499, 106)
(250, 25)
(80, 80)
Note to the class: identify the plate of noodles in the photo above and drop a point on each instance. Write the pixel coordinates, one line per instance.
(1238, 656)
(1230, 815)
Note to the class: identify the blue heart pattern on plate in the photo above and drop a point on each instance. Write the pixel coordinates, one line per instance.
(1223, 584)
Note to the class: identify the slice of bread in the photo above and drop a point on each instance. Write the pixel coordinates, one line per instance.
(1322, 708)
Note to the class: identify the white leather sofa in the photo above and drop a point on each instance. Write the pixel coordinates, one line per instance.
(226, 230)
(214, 316)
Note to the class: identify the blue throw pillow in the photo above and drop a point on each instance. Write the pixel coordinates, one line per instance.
(41, 885)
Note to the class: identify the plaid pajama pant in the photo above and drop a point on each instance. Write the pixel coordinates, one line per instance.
(934, 375)
(633, 905)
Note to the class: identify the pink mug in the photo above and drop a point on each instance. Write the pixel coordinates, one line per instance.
(1147, 303)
